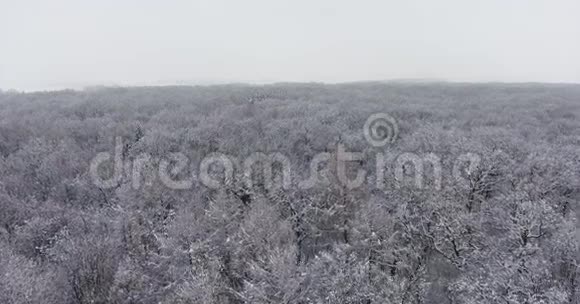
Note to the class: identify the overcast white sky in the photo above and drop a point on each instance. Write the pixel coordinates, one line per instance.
(58, 43)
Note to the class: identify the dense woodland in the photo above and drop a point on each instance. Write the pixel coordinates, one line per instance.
(508, 235)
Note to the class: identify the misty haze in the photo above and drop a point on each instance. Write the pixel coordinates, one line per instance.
(296, 152)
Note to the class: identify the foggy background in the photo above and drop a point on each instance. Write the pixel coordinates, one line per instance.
(73, 44)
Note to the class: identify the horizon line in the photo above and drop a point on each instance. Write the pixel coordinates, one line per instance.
(161, 84)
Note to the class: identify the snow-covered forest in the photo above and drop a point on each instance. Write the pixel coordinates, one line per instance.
(473, 200)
